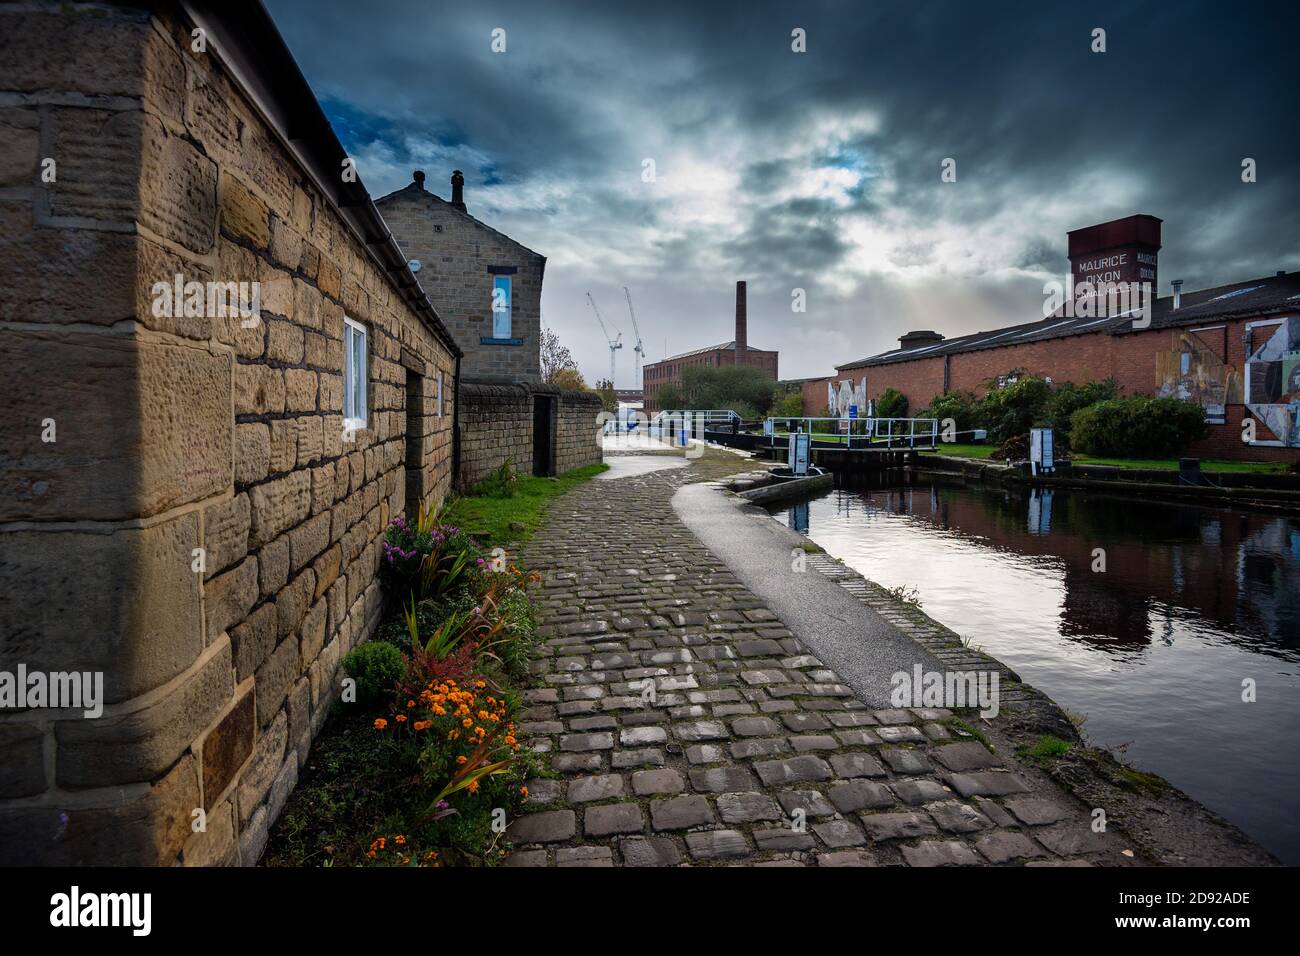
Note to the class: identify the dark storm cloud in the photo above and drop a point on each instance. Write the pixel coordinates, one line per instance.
(821, 170)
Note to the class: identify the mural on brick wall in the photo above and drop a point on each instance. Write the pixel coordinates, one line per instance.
(838, 401)
(1273, 374)
(1193, 369)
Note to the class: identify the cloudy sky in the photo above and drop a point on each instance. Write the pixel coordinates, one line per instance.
(821, 170)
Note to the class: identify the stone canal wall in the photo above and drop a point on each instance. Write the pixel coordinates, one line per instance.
(182, 510)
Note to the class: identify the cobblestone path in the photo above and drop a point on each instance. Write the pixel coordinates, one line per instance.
(751, 752)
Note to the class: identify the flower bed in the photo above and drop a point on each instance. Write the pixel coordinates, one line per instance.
(420, 764)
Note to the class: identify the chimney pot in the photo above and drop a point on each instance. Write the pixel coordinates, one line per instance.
(418, 176)
(742, 321)
(458, 189)
(1178, 292)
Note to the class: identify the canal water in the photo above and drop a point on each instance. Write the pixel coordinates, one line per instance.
(1152, 651)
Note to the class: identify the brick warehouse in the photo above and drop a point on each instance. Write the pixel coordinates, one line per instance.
(192, 502)
(1234, 349)
(736, 352)
(488, 289)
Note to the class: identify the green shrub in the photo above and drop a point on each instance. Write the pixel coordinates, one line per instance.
(891, 404)
(1137, 427)
(962, 407)
(1011, 410)
(787, 404)
(499, 483)
(376, 666)
(1067, 398)
(521, 625)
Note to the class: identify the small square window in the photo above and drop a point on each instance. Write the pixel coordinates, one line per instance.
(500, 307)
(354, 374)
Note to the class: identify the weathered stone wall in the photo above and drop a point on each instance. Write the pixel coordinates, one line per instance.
(496, 422)
(577, 431)
(179, 434)
(456, 253)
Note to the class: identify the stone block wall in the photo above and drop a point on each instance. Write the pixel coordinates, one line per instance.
(496, 422)
(577, 431)
(456, 253)
(200, 529)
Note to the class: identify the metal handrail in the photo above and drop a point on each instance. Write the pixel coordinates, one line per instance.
(866, 431)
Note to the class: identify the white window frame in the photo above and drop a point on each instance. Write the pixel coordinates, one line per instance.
(508, 310)
(352, 329)
(440, 393)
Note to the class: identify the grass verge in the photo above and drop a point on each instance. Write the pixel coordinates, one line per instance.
(514, 519)
(982, 452)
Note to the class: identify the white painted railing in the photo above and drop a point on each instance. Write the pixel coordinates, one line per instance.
(860, 432)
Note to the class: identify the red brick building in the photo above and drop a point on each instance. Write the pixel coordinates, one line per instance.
(1235, 349)
(736, 352)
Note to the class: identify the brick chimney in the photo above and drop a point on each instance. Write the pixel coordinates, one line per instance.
(914, 340)
(418, 178)
(458, 189)
(742, 331)
(1123, 250)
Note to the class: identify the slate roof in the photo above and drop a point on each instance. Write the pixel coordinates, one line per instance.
(414, 190)
(724, 347)
(1266, 296)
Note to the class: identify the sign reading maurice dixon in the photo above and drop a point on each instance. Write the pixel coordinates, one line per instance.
(1127, 265)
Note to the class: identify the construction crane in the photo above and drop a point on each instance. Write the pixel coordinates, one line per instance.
(615, 343)
(638, 348)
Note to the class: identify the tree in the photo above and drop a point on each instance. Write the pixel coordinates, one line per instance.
(569, 378)
(605, 389)
(742, 388)
(787, 404)
(556, 359)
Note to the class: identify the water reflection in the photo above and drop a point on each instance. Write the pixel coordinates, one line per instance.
(1146, 616)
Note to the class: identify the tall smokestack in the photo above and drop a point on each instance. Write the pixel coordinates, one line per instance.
(458, 189)
(742, 332)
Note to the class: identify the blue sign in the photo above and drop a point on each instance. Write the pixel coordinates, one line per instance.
(853, 411)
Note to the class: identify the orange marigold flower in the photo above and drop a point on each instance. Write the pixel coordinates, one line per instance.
(380, 723)
(401, 718)
(400, 840)
(467, 722)
(523, 791)
(462, 759)
(473, 786)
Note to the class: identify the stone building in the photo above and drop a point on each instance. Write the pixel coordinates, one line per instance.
(656, 375)
(192, 500)
(486, 286)
(1234, 349)
(488, 289)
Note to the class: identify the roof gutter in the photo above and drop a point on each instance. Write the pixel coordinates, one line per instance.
(244, 38)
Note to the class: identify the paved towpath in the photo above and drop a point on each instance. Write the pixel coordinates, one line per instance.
(751, 750)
